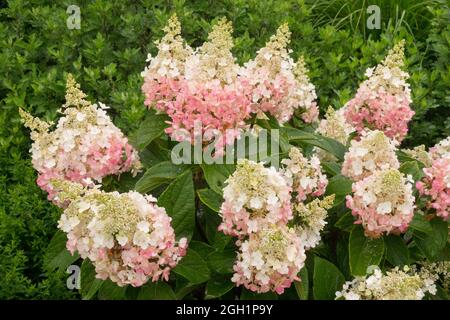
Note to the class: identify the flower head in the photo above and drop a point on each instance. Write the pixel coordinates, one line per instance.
(382, 101)
(373, 152)
(85, 144)
(269, 260)
(254, 196)
(309, 219)
(278, 85)
(304, 175)
(441, 149)
(435, 185)
(127, 237)
(395, 284)
(162, 75)
(382, 203)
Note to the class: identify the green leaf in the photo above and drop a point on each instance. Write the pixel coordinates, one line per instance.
(332, 146)
(339, 185)
(396, 251)
(57, 256)
(342, 259)
(363, 251)
(412, 168)
(156, 291)
(179, 201)
(193, 267)
(327, 279)
(346, 222)
(218, 286)
(111, 291)
(332, 168)
(203, 249)
(222, 261)
(210, 198)
(154, 154)
(419, 223)
(89, 283)
(210, 221)
(431, 244)
(151, 128)
(302, 287)
(161, 173)
(216, 174)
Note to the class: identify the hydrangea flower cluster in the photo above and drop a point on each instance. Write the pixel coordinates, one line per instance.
(258, 209)
(382, 101)
(436, 182)
(304, 175)
(164, 74)
(205, 92)
(382, 202)
(310, 218)
(419, 153)
(127, 237)
(269, 260)
(441, 149)
(85, 144)
(278, 85)
(254, 196)
(334, 126)
(396, 284)
(438, 271)
(198, 89)
(373, 152)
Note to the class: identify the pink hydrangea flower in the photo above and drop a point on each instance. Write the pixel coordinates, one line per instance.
(254, 196)
(85, 145)
(382, 203)
(269, 260)
(382, 101)
(436, 186)
(127, 237)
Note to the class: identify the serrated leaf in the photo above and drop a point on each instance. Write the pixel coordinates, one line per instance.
(179, 201)
(431, 244)
(216, 174)
(346, 222)
(217, 286)
(419, 223)
(302, 286)
(210, 198)
(222, 261)
(111, 291)
(327, 279)
(332, 168)
(363, 251)
(161, 173)
(334, 147)
(396, 250)
(152, 127)
(193, 267)
(156, 291)
(57, 256)
(89, 283)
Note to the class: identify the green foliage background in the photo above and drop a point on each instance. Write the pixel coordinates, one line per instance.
(108, 53)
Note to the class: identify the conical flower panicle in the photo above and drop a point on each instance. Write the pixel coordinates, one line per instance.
(382, 101)
(84, 145)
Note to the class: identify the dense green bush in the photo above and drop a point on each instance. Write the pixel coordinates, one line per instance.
(107, 54)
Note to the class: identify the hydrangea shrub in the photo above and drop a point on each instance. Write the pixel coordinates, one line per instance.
(345, 202)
